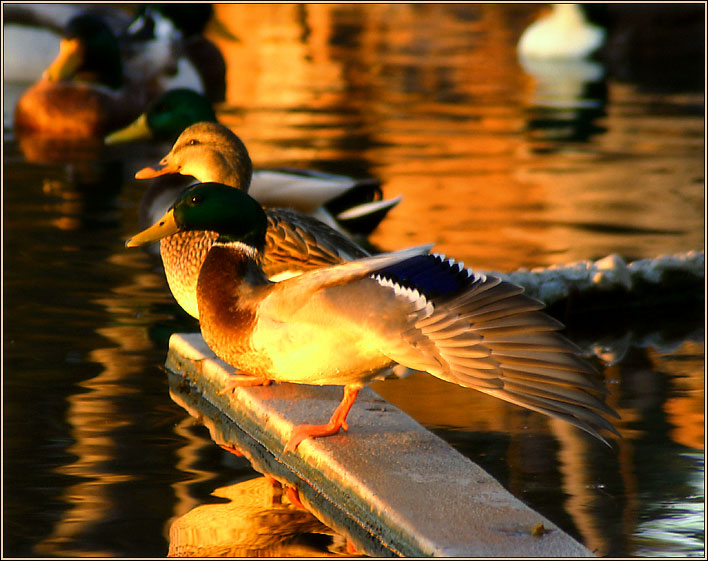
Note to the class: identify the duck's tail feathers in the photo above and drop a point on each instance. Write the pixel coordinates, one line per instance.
(355, 192)
(365, 218)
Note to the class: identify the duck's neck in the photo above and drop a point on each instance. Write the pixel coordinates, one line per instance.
(206, 171)
(230, 169)
(234, 262)
(227, 282)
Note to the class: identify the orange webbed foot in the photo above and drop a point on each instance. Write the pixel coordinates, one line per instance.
(301, 432)
(336, 422)
(229, 448)
(294, 497)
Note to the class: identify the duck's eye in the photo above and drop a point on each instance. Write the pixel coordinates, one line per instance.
(197, 199)
(193, 142)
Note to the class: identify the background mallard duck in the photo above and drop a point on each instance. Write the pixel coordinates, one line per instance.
(85, 92)
(199, 64)
(166, 117)
(32, 33)
(208, 151)
(160, 46)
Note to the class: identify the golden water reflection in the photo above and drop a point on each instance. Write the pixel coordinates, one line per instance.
(446, 117)
(499, 167)
(259, 518)
(685, 409)
(257, 521)
(95, 416)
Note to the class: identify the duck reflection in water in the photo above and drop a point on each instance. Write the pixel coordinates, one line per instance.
(256, 521)
(259, 519)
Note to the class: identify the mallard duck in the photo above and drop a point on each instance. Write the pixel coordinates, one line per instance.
(85, 92)
(294, 241)
(166, 117)
(343, 324)
(163, 121)
(209, 151)
(562, 34)
(32, 33)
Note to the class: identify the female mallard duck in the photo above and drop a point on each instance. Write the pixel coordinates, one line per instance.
(343, 324)
(85, 92)
(354, 205)
(295, 242)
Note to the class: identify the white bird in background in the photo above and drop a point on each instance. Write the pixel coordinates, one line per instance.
(562, 34)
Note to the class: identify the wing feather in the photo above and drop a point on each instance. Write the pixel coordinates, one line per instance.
(488, 335)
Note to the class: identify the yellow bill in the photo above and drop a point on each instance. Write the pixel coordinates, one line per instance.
(67, 62)
(137, 130)
(164, 227)
(149, 173)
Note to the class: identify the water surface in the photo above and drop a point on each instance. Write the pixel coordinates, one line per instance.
(498, 166)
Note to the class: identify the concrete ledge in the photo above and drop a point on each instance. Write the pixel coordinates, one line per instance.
(388, 484)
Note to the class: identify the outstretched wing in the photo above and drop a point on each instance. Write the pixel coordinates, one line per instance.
(481, 332)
